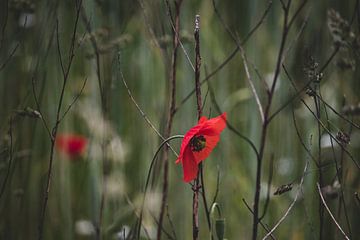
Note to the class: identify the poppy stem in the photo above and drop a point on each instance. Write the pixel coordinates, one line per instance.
(148, 179)
(199, 110)
(197, 65)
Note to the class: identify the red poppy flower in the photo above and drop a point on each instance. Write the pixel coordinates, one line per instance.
(71, 145)
(198, 143)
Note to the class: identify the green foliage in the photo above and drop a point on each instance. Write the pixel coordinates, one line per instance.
(33, 36)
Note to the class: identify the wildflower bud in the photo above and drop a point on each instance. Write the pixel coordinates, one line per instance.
(28, 112)
(343, 138)
(220, 228)
(283, 189)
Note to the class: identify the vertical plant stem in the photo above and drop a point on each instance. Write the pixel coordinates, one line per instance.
(266, 122)
(338, 170)
(199, 110)
(58, 116)
(171, 113)
(321, 208)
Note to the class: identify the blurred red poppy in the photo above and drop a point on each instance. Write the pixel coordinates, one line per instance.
(71, 145)
(198, 143)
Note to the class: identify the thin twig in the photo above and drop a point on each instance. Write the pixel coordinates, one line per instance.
(58, 48)
(291, 205)
(203, 194)
(336, 50)
(338, 174)
(319, 159)
(295, 96)
(336, 112)
(298, 10)
(229, 125)
(266, 122)
(242, 52)
(297, 37)
(357, 198)
(232, 54)
(177, 36)
(97, 54)
(3, 28)
(251, 83)
(171, 222)
(265, 227)
(148, 26)
(267, 201)
(283, 4)
(328, 210)
(322, 124)
(148, 179)
(138, 216)
(142, 113)
(57, 123)
(39, 108)
(267, 117)
(12, 53)
(302, 141)
(7, 60)
(74, 100)
(217, 189)
(170, 114)
(162, 229)
(259, 23)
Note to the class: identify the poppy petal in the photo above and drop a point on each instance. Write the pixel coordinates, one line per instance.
(198, 143)
(202, 120)
(191, 133)
(211, 142)
(70, 144)
(190, 167)
(214, 126)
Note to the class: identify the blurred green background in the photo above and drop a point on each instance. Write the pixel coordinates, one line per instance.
(120, 142)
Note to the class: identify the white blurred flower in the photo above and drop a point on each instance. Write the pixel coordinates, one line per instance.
(284, 166)
(264, 190)
(326, 141)
(84, 227)
(115, 185)
(102, 130)
(150, 232)
(269, 79)
(116, 150)
(27, 20)
(153, 200)
(123, 233)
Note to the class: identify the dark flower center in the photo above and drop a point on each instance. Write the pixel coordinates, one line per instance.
(197, 143)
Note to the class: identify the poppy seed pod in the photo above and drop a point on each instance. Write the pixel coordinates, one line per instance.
(220, 228)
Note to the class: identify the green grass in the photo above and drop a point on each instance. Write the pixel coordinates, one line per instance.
(121, 144)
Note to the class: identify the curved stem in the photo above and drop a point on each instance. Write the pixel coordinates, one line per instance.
(148, 178)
